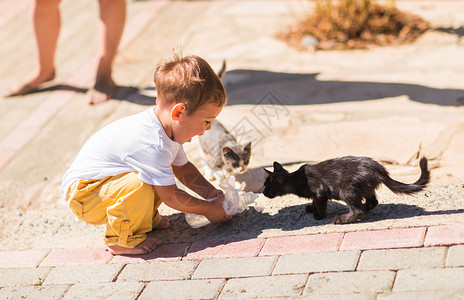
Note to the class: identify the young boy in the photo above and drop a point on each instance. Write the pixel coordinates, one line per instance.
(125, 170)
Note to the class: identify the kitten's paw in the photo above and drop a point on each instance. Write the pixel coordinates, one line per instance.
(318, 216)
(338, 220)
(309, 208)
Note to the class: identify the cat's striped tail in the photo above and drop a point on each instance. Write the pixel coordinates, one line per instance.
(404, 188)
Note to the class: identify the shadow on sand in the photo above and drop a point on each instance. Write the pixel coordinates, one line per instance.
(253, 86)
(250, 87)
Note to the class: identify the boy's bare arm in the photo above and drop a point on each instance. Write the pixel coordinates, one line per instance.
(189, 175)
(182, 201)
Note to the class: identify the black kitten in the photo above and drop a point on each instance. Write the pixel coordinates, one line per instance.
(349, 178)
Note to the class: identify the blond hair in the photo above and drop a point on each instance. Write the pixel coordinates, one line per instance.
(189, 80)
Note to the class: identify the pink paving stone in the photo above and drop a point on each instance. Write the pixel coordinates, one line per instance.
(301, 244)
(71, 257)
(247, 248)
(444, 235)
(383, 239)
(22, 259)
(165, 252)
(204, 250)
(214, 249)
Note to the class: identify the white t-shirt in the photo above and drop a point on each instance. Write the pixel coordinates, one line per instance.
(134, 143)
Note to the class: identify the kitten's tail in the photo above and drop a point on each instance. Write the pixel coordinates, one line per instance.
(222, 71)
(403, 188)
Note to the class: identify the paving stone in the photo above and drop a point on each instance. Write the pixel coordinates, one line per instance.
(33, 292)
(435, 295)
(371, 296)
(266, 287)
(158, 270)
(301, 244)
(340, 283)
(235, 267)
(204, 250)
(450, 279)
(22, 259)
(444, 235)
(383, 239)
(23, 276)
(107, 290)
(83, 274)
(317, 262)
(183, 289)
(165, 252)
(455, 256)
(395, 259)
(72, 257)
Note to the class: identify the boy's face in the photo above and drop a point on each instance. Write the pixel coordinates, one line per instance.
(186, 127)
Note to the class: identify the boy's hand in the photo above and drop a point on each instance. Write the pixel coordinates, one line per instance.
(216, 212)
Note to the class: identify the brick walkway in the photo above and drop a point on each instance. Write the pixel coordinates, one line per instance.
(400, 263)
(387, 264)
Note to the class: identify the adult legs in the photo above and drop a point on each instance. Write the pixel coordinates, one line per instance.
(111, 26)
(46, 21)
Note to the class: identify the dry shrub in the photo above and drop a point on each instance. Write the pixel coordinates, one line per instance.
(356, 24)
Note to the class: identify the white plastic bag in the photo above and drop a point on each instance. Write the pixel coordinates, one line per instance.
(235, 201)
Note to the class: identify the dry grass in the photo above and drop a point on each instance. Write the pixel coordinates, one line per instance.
(355, 24)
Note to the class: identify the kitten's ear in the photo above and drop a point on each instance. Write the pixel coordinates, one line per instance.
(267, 171)
(278, 167)
(228, 152)
(247, 148)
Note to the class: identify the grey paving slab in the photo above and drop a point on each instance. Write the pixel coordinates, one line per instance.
(455, 257)
(158, 271)
(450, 279)
(264, 287)
(435, 295)
(235, 267)
(183, 289)
(107, 290)
(49, 292)
(371, 296)
(395, 259)
(317, 262)
(340, 283)
(83, 274)
(23, 276)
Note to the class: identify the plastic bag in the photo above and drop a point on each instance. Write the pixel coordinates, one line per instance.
(235, 201)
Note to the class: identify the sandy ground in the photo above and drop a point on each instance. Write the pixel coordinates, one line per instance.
(390, 103)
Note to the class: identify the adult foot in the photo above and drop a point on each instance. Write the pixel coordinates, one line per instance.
(102, 91)
(164, 223)
(144, 247)
(30, 85)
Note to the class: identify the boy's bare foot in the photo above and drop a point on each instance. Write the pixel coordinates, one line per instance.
(144, 247)
(30, 85)
(102, 91)
(164, 223)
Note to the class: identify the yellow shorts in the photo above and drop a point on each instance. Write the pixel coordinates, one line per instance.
(127, 205)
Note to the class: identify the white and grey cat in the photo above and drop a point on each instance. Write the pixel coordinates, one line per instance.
(221, 154)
